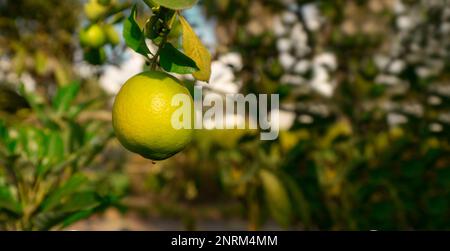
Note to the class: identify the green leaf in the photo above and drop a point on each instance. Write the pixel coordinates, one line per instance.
(55, 147)
(134, 35)
(194, 48)
(7, 201)
(69, 187)
(74, 136)
(64, 97)
(41, 62)
(3, 132)
(176, 4)
(277, 198)
(75, 110)
(95, 56)
(300, 205)
(173, 60)
(69, 220)
(81, 201)
(151, 3)
(37, 104)
(44, 221)
(32, 142)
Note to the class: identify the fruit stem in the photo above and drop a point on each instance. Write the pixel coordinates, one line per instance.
(168, 26)
(154, 61)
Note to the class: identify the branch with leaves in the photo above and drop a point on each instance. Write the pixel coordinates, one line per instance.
(192, 57)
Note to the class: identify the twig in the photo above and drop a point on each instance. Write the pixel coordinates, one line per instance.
(168, 27)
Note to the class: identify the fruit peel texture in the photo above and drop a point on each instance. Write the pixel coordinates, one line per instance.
(142, 114)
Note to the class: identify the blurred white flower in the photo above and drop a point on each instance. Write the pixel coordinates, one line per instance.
(405, 23)
(396, 119)
(312, 16)
(12, 77)
(445, 28)
(435, 127)
(434, 100)
(321, 81)
(222, 79)
(298, 35)
(302, 66)
(424, 72)
(286, 60)
(387, 79)
(278, 27)
(288, 17)
(397, 66)
(305, 119)
(444, 117)
(233, 59)
(292, 79)
(381, 61)
(399, 7)
(326, 59)
(286, 119)
(284, 44)
(114, 77)
(28, 82)
(5, 64)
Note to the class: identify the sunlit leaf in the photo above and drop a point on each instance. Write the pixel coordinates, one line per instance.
(194, 48)
(81, 201)
(69, 187)
(64, 96)
(7, 201)
(133, 34)
(55, 147)
(176, 4)
(276, 197)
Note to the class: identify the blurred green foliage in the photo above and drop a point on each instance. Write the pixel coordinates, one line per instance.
(347, 167)
(38, 39)
(350, 168)
(48, 174)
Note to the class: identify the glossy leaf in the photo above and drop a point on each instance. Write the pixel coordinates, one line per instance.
(173, 60)
(134, 35)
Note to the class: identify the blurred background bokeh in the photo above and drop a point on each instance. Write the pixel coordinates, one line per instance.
(365, 119)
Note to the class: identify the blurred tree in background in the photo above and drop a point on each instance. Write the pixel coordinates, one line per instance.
(39, 40)
(365, 110)
(365, 113)
(53, 128)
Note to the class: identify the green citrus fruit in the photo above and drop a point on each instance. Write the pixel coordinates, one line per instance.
(111, 34)
(93, 36)
(142, 114)
(94, 10)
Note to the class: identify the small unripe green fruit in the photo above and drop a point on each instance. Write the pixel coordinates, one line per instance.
(93, 36)
(94, 10)
(111, 34)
